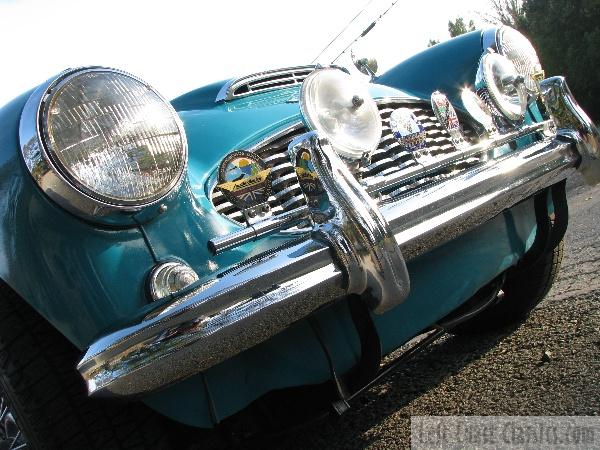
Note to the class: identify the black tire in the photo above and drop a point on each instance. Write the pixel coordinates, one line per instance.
(524, 289)
(47, 397)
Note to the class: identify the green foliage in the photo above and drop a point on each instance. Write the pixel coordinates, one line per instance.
(507, 12)
(455, 28)
(459, 27)
(566, 34)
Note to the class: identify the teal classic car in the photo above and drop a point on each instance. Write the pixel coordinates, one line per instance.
(260, 244)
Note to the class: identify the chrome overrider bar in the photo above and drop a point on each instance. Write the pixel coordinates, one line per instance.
(360, 248)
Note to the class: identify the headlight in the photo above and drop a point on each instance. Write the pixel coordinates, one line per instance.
(342, 110)
(101, 142)
(113, 137)
(498, 78)
(520, 51)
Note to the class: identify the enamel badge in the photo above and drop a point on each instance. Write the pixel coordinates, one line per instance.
(446, 115)
(407, 129)
(245, 179)
(307, 176)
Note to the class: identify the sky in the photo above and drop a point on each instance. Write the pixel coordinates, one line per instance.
(178, 45)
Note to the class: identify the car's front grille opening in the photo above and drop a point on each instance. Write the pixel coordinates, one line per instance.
(389, 158)
(286, 193)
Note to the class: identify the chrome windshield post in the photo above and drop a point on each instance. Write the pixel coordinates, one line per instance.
(358, 234)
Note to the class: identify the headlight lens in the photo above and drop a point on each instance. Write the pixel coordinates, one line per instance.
(113, 137)
(520, 51)
(505, 86)
(341, 108)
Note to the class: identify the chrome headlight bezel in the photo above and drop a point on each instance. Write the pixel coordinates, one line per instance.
(65, 189)
(487, 87)
(351, 153)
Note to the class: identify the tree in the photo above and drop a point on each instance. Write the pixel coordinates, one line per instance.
(455, 28)
(566, 34)
(507, 12)
(459, 27)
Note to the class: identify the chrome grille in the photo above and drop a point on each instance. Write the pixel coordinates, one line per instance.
(287, 194)
(388, 159)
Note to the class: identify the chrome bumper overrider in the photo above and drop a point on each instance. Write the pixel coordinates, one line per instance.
(362, 248)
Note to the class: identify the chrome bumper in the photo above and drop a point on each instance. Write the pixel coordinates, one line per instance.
(362, 248)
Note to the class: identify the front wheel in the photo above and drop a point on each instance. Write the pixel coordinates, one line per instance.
(523, 289)
(43, 400)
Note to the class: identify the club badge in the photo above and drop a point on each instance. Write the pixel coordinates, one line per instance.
(244, 179)
(446, 115)
(407, 129)
(307, 176)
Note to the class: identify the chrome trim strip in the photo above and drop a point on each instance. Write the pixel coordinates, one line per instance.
(378, 183)
(257, 230)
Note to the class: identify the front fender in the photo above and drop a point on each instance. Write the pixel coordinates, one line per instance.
(447, 67)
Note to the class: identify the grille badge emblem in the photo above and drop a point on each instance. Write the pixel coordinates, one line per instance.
(446, 115)
(307, 176)
(245, 180)
(407, 129)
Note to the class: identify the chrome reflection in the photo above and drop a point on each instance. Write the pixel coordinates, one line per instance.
(11, 436)
(573, 123)
(357, 232)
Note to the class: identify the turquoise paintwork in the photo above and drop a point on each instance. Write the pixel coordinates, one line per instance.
(86, 279)
(446, 67)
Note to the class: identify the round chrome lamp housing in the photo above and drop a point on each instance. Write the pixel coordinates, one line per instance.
(102, 143)
(499, 83)
(509, 42)
(342, 110)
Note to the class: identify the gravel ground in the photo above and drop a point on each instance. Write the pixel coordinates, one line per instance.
(493, 374)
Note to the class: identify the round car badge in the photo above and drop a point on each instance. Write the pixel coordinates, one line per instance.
(446, 115)
(307, 175)
(407, 129)
(244, 179)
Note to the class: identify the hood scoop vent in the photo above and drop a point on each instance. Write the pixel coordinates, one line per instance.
(263, 81)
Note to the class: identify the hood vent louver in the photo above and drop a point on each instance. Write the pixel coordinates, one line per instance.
(263, 81)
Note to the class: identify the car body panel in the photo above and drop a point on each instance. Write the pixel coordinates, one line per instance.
(447, 67)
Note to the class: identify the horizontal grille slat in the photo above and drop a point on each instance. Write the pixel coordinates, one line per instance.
(286, 192)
